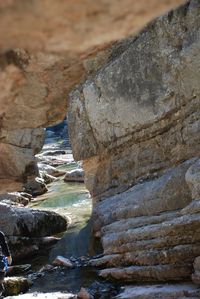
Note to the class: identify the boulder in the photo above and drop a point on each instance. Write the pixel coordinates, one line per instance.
(47, 178)
(62, 261)
(76, 175)
(26, 247)
(50, 170)
(35, 186)
(16, 285)
(27, 222)
(14, 197)
(84, 294)
(26, 228)
(148, 198)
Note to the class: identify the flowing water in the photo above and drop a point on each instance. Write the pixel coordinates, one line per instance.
(73, 201)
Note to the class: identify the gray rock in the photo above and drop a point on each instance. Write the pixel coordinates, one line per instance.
(76, 175)
(27, 229)
(164, 291)
(47, 178)
(18, 148)
(193, 179)
(62, 261)
(148, 198)
(30, 222)
(50, 170)
(35, 186)
(133, 119)
(14, 197)
(148, 236)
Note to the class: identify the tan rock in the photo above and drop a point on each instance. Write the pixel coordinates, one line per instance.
(132, 125)
(62, 45)
(84, 294)
(62, 261)
(16, 285)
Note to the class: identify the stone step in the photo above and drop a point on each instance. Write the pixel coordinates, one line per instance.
(181, 230)
(164, 291)
(178, 254)
(171, 272)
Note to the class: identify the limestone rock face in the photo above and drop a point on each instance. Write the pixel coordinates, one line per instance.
(48, 47)
(134, 124)
(148, 198)
(17, 150)
(140, 113)
(147, 236)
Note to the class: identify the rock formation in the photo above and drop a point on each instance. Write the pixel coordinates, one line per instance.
(133, 124)
(27, 229)
(46, 48)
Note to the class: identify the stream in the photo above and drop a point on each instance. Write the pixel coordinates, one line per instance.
(73, 201)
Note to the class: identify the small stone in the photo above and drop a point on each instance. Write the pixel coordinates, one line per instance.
(62, 261)
(84, 294)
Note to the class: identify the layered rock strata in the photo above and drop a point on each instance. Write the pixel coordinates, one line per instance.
(133, 124)
(46, 48)
(140, 114)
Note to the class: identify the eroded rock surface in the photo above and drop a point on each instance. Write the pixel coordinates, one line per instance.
(48, 47)
(17, 150)
(133, 124)
(168, 291)
(140, 113)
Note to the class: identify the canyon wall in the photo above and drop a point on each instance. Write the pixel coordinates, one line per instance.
(46, 48)
(136, 125)
(134, 122)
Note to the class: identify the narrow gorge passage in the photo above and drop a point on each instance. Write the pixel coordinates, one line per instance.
(127, 75)
(72, 200)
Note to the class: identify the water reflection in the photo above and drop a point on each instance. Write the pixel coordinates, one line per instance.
(73, 201)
